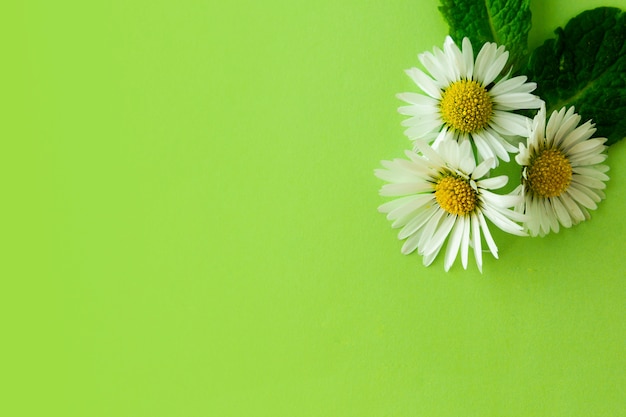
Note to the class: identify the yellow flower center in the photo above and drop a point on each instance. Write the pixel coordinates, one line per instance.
(466, 106)
(455, 195)
(550, 173)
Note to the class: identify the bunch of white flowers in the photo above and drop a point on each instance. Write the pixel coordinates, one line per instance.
(462, 124)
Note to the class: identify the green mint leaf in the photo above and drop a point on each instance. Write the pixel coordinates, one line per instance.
(505, 22)
(585, 67)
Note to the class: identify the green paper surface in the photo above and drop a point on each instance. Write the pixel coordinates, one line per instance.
(189, 227)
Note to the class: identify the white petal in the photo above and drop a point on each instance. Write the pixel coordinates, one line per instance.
(588, 182)
(485, 152)
(522, 158)
(581, 133)
(516, 101)
(506, 86)
(439, 66)
(581, 198)
(561, 212)
(499, 145)
(587, 159)
(467, 162)
(476, 242)
(454, 242)
(436, 242)
(543, 216)
(419, 201)
(535, 219)
(467, 165)
(491, 64)
(593, 193)
(556, 118)
(428, 243)
(482, 169)
(502, 201)
(451, 153)
(418, 99)
(503, 222)
(493, 183)
(532, 223)
(405, 189)
(566, 127)
(403, 220)
(513, 213)
(431, 112)
(490, 242)
(455, 56)
(591, 172)
(552, 217)
(587, 146)
(416, 223)
(395, 172)
(410, 169)
(574, 210)
(429, 153)
(465, 241)
(427, 260)
(468, 57)
(394, 204)
(410, 244)
(484, 59)
(398, 170)
(424, 82)
(444, 135)
(422, 128)
(509, 124)
(420, 164)
(538, 125)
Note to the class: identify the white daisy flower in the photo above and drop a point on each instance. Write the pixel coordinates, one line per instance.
(562, 172)
(441, 195)
(468, 100)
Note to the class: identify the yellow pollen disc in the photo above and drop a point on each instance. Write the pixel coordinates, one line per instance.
(455, 195)
(550, 173)
(466, 106)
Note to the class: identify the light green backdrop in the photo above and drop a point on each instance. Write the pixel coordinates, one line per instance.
(189, 227)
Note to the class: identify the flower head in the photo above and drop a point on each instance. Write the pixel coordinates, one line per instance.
(441, 195)
(467, 99)
(562, 172)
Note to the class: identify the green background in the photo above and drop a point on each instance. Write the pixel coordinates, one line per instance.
(189, 227)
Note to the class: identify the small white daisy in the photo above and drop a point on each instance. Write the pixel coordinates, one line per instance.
(467, 99)
(562, 172)
(441, 195)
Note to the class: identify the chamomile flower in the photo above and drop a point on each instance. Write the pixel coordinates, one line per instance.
(467, 99)
(441, 195)
(562, 172)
